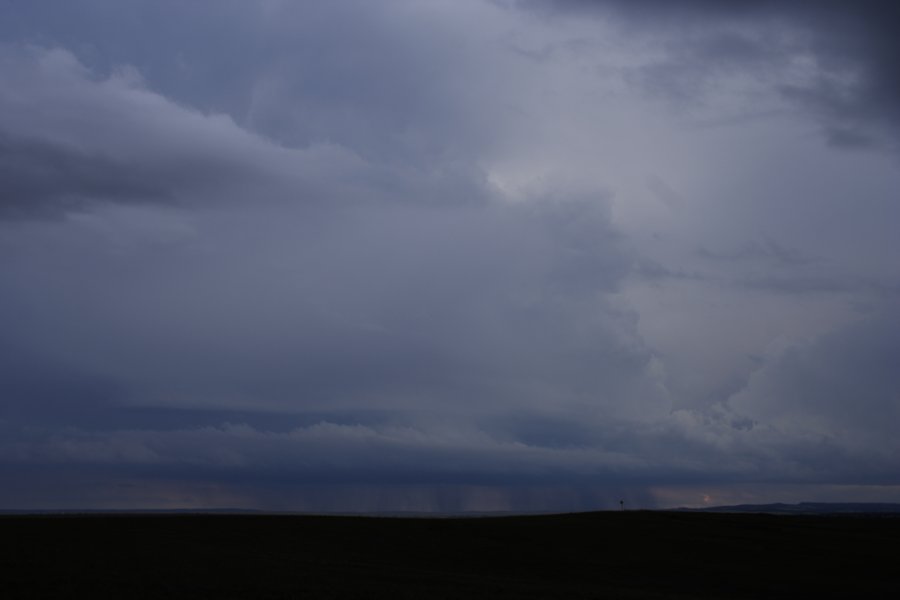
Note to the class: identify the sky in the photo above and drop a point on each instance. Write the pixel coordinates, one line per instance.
(448, 256)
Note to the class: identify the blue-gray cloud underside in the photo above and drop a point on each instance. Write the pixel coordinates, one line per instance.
(353, 263)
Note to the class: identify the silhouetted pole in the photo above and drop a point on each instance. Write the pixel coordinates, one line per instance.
(622, 504)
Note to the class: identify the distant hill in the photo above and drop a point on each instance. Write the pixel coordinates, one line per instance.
(806, 508)
(778, 508)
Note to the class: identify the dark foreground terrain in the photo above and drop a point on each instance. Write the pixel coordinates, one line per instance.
(594, 555)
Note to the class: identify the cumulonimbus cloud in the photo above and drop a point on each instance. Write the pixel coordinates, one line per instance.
(521, 270)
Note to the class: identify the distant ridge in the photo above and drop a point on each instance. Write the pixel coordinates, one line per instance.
(806, 508)
(777, 508)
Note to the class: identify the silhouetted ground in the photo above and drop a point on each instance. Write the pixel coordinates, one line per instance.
(593, 555)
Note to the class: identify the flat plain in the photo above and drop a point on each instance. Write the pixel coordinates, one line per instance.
(639, 554)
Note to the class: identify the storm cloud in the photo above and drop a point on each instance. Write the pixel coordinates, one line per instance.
(446, 256)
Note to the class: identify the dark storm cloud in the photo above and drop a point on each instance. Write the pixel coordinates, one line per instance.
(859, 36)
(210, 60)
(847, 377)
(357, 319)
(379, 79)
(43, 179)
(370, 255)
(765, 249)
(855, 88)
(69, 140)
(274, 331)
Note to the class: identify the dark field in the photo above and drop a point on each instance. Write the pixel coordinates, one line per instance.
(594, 555)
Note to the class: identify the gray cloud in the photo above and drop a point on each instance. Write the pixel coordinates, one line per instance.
(75, 140)
(294, 255)
(844, 378)
(270, 308)
(850, 49)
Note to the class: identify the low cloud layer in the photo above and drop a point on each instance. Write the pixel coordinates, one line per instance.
(593, 252)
